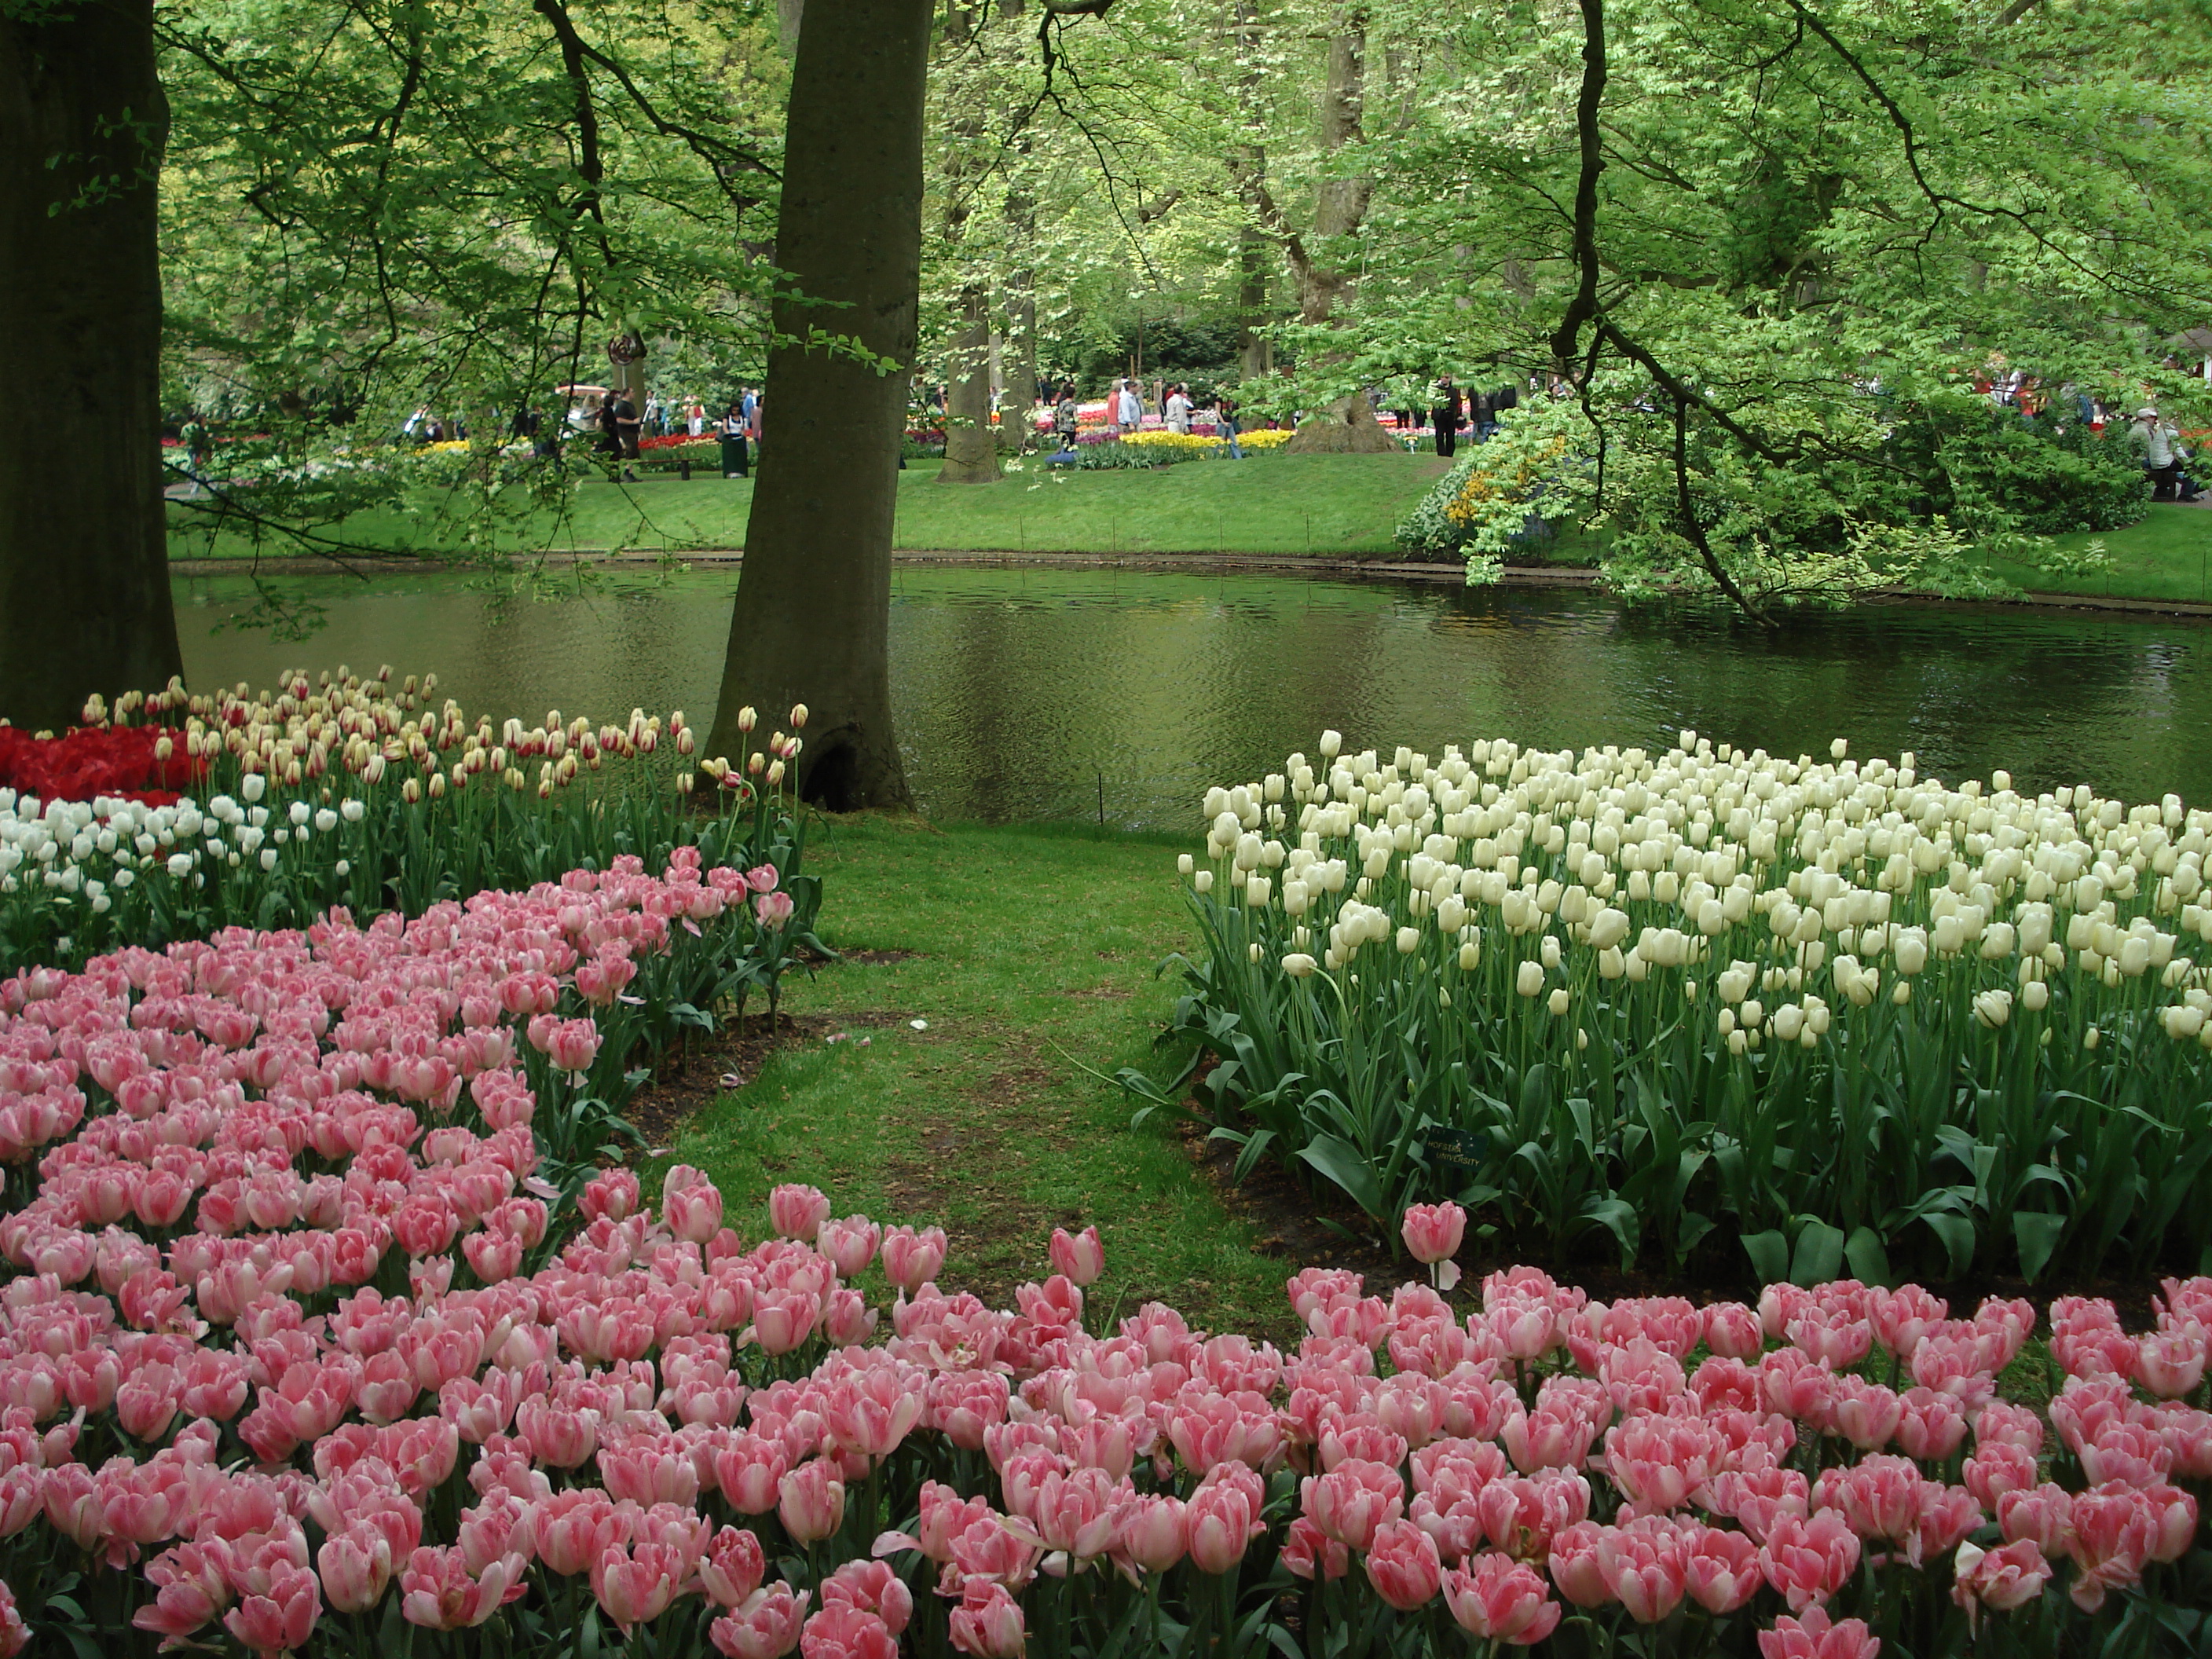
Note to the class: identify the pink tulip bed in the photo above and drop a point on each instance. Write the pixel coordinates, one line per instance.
(323, 1333)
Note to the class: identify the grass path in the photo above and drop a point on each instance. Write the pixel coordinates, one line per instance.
(1033, 957)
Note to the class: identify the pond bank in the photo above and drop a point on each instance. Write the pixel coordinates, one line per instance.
(1311, 566)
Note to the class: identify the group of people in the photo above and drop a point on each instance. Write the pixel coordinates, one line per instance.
(2158, 442)
(1450, 408)
(1125, 410)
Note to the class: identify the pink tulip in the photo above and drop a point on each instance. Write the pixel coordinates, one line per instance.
(633, 1586)
(356, 1566)
(870, 1587)
(798, 1211)
(574, 1528)
(1931, 1426)
(1722, 1570)
(987, 1623)
(1812, 1636)
(1312, 1554)
(691, 1204)
(1879, 1497)
(1224, 1518)
(748, 1469)
(2004, 1578)
(733, 1568)
(912, 1259)
(766, 1626)
(1079, 1259)
(1498, 1599)
(1646, 1564)
(15, 1634)
(280, 1619)
(437, 1592)
(1433, 1233)
(1403, 1566)
(773, 909)
(811, 1501)
(850, 1244)
(1351, 1501)
(1809, 1560)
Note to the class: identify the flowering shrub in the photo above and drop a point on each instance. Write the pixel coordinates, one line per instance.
(296, 1422)
(346, 792)
(1844, 1013)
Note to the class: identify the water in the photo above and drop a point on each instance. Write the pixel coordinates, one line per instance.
(1019, 693)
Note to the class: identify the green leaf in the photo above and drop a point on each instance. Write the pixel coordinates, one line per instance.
(1770, 1257)
(1957, 1236)
(1820, 1255)
(2037, 1232)
(1869, 1260)
(1341, 1163)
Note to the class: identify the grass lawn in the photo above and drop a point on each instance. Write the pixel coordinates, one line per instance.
(1331, 504)
(2165, 556)
(1032, 958)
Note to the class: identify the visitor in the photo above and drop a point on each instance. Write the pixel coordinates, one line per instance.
(654, 422)
(199, 446)
(1129, 414)
(629, 425)
(1443, 414)
(1067, 417)
(695, 418)
(1178, 409)
(736, 463)
(612, 410)
(753, 421)
(2159, 444)
(1224, 417)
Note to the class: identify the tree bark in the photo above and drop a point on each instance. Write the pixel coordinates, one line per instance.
(1254, 353)
(813, 618)
(971, 447)
(84, 567)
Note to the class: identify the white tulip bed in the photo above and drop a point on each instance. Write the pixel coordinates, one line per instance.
(1851, 1016)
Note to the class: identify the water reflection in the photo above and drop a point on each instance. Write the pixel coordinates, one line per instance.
(1018, 691)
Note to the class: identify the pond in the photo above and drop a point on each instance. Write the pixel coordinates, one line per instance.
(1038, 693)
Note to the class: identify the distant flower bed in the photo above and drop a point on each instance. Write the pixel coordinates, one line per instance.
(138, 763)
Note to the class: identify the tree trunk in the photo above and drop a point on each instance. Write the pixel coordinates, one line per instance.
(971, 447)
(813, 612)
(1254, 353)
(1340, 204)
(84, 566)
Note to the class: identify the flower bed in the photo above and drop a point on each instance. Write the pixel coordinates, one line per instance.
(130, 763)
(1840, 1012)
(354, 792)
(304, 1355)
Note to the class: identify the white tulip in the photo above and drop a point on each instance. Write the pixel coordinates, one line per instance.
(1299, 965)
(1529, 979)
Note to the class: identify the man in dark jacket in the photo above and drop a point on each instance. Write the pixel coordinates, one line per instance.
(1443, 415)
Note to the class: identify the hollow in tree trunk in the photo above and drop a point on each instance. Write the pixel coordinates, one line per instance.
(813, 617)
(84, 575)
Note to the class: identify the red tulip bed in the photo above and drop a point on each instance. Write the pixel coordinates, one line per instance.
(320, 1336)
(121, 762)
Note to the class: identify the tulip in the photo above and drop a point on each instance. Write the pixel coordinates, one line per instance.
(798, 1211)
(1080, 1259)
(1812, 1636)
(1433, 1233)
(280, 1620)
(810, 1502)
(1498, 1599)
(1403, 1565)
(987, 1623)
(766, 1626)
(2004, 1578)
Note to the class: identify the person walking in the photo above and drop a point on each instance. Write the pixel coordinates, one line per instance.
(735, 463)
(1443, 415)
(1129, 413)
(1178, 409)
(1066, 418)
(2157, 442)
(1224, 414)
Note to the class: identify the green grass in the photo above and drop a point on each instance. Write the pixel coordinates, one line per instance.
(2166, 556)
(1033, 959)
(1295, 504)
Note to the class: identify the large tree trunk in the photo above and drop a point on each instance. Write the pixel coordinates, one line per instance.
(84, 569)
(1254, 354)
(971, 447)
(813, 613)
